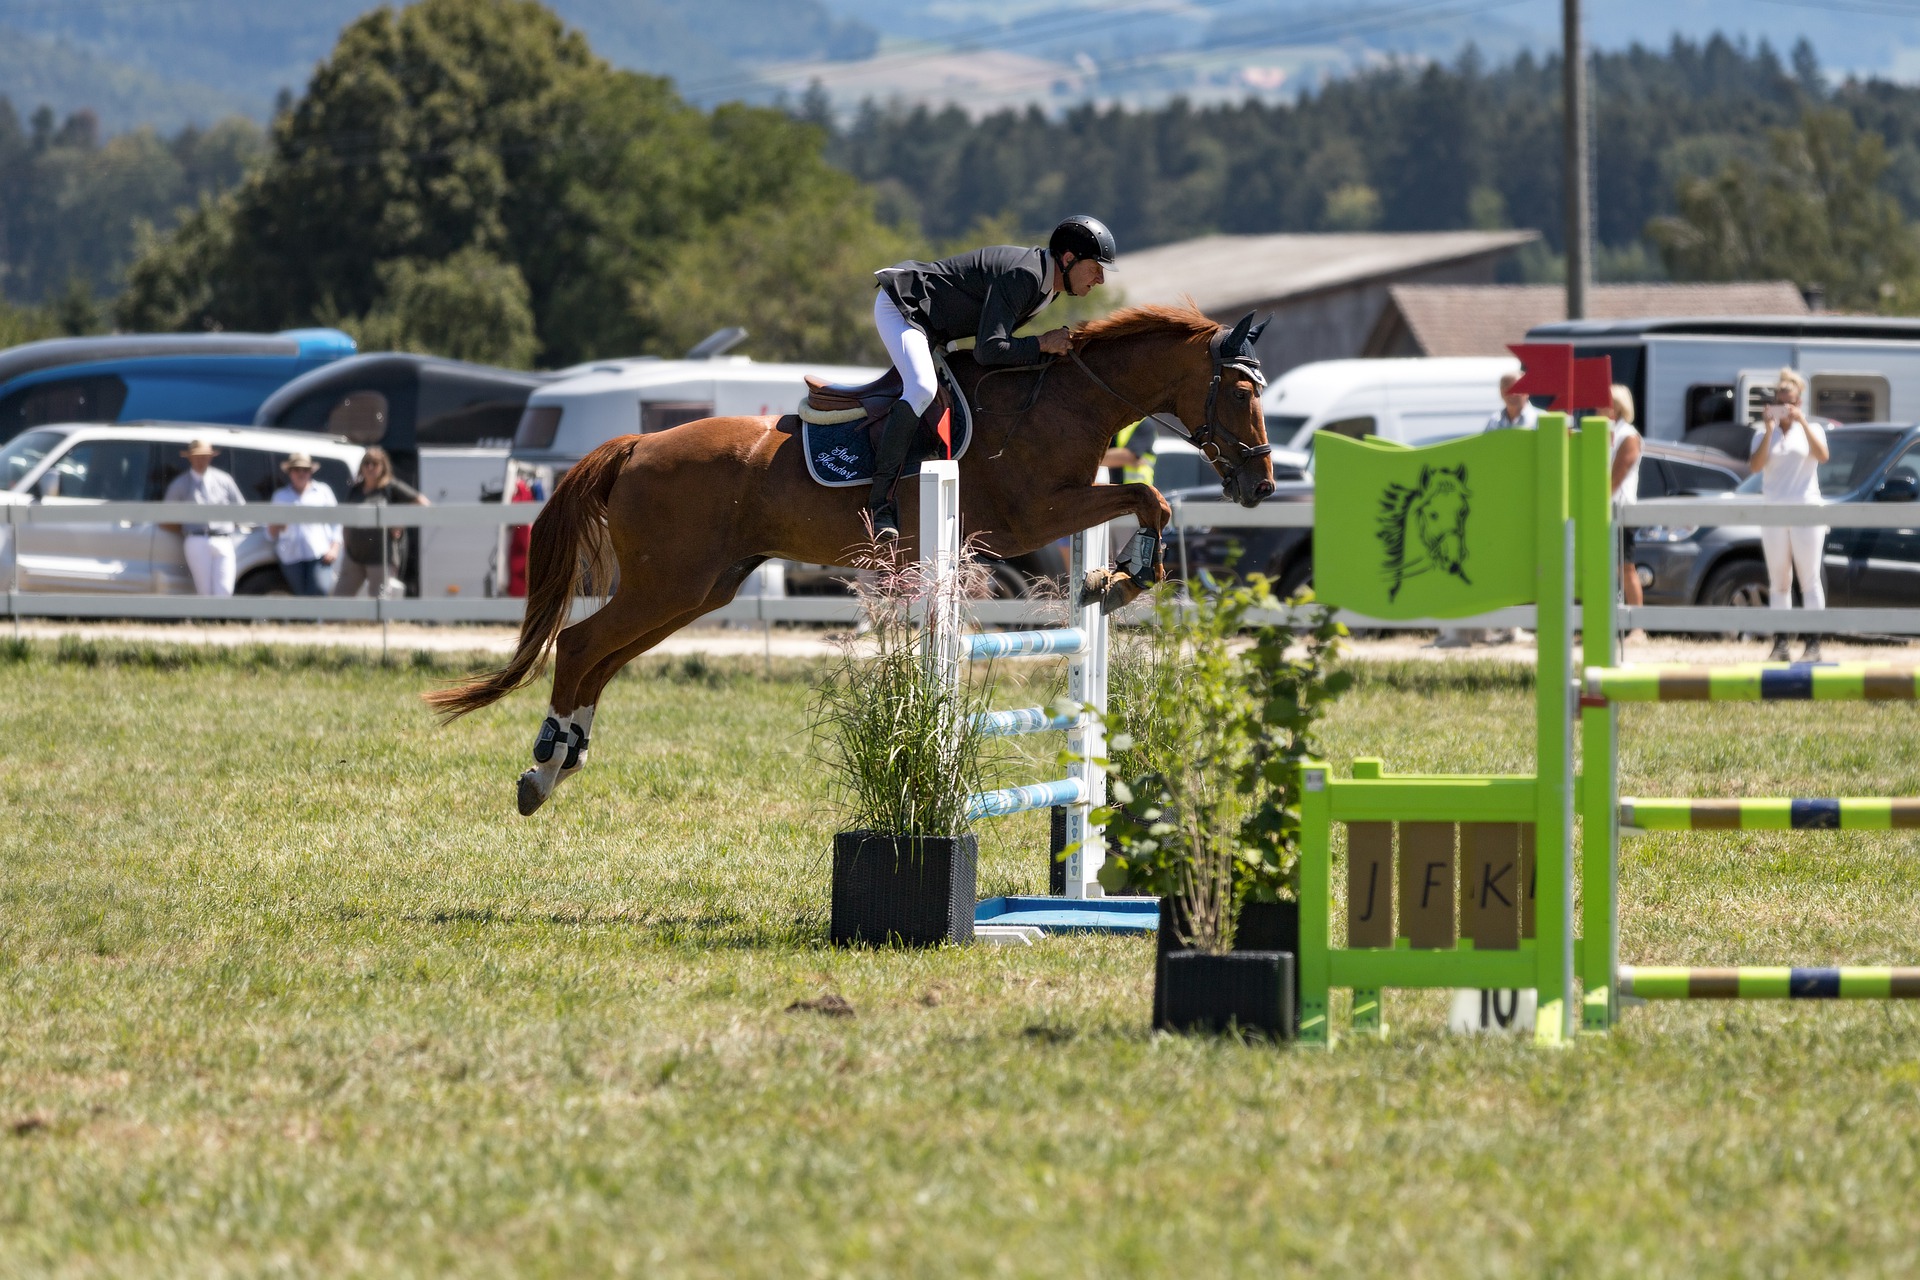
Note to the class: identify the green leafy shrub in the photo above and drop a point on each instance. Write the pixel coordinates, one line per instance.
(1214, 709)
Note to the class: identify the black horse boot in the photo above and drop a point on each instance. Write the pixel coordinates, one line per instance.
(896, 442)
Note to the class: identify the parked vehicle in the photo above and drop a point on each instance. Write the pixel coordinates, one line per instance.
(1706, 381)
(73, 464)
(180, 377)
(1415, 401)
(408, 404)
(1286, 555)
(1722, 564)
(445, 423)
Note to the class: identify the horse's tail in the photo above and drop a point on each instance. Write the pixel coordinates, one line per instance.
(569, 542)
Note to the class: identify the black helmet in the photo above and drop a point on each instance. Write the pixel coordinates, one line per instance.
(1083, 237)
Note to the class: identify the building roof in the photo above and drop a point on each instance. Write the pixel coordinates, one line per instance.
(1480, 320)
(1226, 273)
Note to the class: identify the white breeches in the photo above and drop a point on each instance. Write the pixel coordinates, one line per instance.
(908, 349)
(1791, 553)
(211, 562)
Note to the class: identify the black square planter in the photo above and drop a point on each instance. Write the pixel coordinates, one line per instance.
(1248, 990)
(918, 891)
(1262, 926)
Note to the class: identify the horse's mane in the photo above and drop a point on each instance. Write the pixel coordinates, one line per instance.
(1183, 320)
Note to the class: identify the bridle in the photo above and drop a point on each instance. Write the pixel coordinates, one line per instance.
(1228, 350)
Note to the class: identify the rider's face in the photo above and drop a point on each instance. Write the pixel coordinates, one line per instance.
(1083, 276)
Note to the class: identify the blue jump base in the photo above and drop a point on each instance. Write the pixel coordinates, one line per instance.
(1073, 915)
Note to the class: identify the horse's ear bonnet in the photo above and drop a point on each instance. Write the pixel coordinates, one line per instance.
(1233, 348)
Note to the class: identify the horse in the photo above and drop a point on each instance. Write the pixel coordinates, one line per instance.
(688, 513)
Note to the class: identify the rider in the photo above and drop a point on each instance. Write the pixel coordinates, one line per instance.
(985, 295)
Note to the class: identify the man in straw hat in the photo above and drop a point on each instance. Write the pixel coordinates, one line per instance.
(209, 547)
(307, 552)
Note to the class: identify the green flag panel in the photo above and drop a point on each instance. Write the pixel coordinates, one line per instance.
(1441, 531)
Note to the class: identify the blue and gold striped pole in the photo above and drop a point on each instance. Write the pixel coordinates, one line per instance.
(1758, 982)
(1843, 813)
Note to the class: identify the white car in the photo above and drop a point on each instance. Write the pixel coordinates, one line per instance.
(92, 463)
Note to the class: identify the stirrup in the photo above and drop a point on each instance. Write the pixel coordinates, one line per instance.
(886, 522)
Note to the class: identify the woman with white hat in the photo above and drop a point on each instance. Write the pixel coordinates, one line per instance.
(307, 552)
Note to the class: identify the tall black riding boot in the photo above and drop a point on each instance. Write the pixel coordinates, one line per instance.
(896, 442)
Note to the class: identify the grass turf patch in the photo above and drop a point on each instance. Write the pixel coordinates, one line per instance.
(285, 986)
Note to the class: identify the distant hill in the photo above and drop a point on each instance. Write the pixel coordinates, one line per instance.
(203, 58)
(36, 72)
(167, 61)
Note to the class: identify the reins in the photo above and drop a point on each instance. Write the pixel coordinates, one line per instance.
(1207, 438)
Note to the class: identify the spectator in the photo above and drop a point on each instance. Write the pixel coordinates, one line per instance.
(209, 548)
(1623, 444)
(1516, 412)
(373, 554)
(1788, 449)
(307, 552)
(1129, 460)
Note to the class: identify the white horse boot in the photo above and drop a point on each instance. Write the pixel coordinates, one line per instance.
(576, 755)
(557, 752)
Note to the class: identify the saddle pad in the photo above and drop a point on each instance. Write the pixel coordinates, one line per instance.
(840, 454)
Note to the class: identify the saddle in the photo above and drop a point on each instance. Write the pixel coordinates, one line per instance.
(841, 426)
(827, 404)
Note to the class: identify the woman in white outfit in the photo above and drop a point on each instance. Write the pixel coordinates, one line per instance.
(1788, 449)
(1623, 445)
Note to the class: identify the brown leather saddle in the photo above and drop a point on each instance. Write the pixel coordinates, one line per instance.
(872, 400)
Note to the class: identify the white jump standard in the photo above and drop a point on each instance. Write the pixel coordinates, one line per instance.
(1084, 644)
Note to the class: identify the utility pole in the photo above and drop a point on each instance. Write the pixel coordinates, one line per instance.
(1579, 226)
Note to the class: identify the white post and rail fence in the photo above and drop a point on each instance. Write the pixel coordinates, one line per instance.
(105, 604)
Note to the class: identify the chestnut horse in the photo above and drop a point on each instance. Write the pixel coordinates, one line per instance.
(688, 513)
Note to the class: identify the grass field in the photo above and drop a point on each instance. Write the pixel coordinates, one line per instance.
(285, 988)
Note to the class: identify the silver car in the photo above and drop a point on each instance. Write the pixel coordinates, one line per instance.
(94, 463)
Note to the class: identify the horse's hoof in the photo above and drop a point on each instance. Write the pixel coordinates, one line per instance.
(531, 796)
(1108, 588)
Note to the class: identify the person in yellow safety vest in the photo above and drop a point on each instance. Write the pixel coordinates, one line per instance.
(1129, 460)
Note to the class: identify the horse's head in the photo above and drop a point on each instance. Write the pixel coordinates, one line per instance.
(1208, 376)
(1232, 433)
(1439, 519)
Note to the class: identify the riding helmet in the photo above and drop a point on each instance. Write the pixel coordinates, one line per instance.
(1083, 237)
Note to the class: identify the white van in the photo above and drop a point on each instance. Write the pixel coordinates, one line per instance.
(1705, 381)
(1412, 401)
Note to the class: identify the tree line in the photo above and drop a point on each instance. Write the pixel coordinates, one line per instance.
(467, 177)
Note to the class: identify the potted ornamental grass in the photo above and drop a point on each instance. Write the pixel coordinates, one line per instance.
(1215, 707)
(897, 734)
